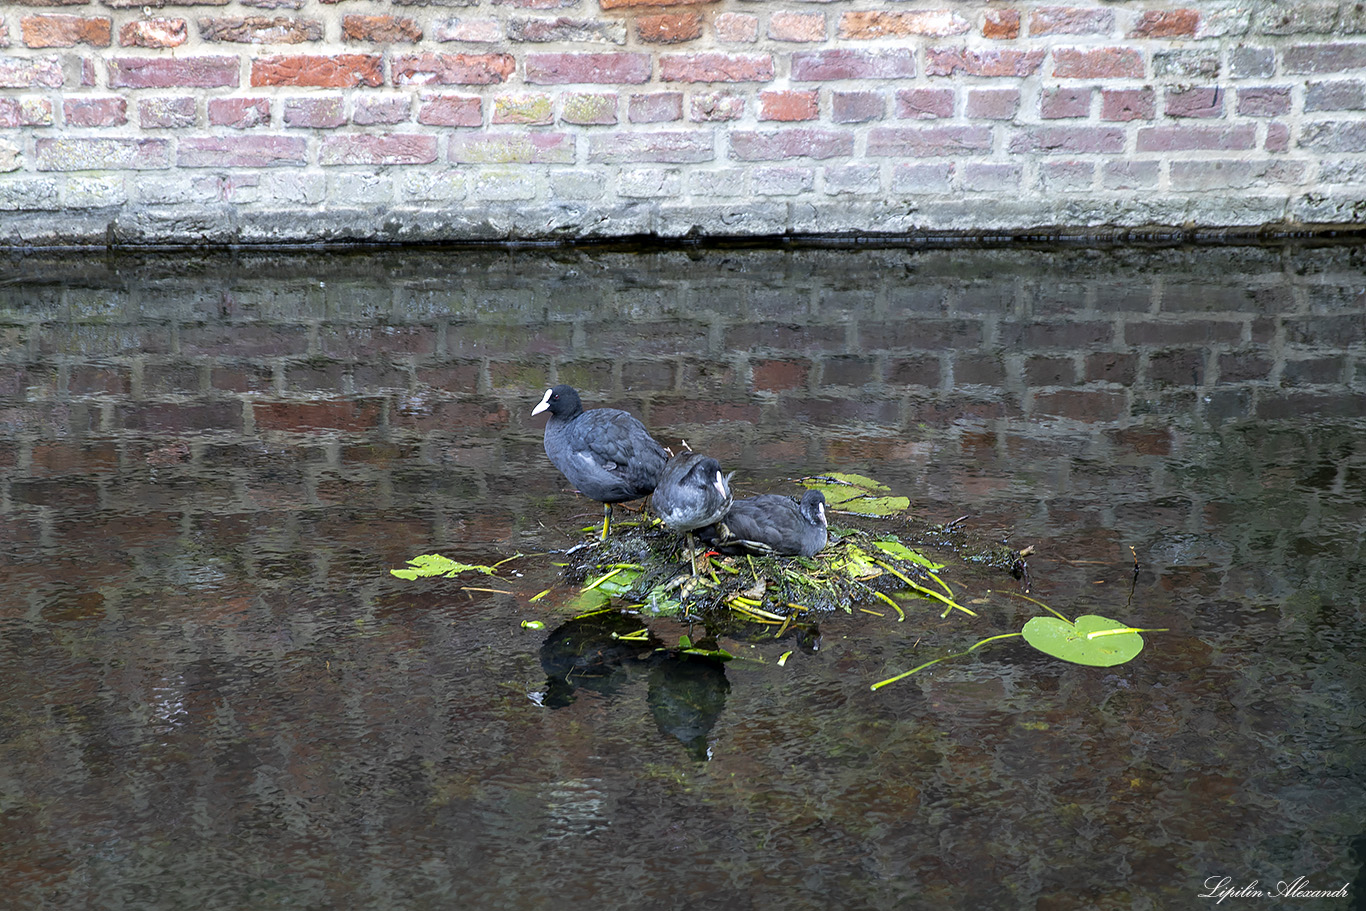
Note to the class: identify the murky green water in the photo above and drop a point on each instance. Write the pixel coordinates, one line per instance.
(215, 696)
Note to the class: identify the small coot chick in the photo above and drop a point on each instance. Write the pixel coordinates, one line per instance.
(772, 524)
(692, 493)
(606, 453)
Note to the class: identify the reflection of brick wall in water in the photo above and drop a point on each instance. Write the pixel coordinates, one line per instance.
(226, 122)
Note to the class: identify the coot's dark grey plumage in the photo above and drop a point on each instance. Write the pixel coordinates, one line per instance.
(605, 453)
(772, 524)
(692, 493)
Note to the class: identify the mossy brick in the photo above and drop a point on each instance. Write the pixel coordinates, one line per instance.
(451, 377)
(530, 376)
(639, 374)
(524, 108)
(666, 413)
(179, 378)
(588, 108)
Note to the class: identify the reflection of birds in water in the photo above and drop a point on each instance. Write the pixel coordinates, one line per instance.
(686, 694)
(584, 653)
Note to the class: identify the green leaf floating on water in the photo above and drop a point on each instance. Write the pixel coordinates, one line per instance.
(1092, 640)
(902, 552)
(857, 494)
(428, 565)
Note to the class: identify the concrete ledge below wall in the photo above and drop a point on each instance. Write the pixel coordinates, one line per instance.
(1243, 218)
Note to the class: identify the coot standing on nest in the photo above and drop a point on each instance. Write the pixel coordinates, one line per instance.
(606, 453)
(772, 524)
(692, 493)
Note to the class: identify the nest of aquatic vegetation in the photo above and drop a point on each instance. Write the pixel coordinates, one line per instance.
(873, 571)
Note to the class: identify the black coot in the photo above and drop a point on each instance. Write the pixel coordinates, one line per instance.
(692, 493)
(771, 524)
(605, 453)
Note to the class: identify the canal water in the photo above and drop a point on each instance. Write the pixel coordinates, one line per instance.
(215, 695)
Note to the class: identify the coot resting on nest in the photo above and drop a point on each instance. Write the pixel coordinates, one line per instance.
(606, 453)
(691, 494)
(771, 524)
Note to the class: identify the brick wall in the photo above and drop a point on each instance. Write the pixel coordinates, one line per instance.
(266, 121)
(301, 120)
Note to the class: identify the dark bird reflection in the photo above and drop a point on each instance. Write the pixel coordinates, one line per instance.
(686, 693)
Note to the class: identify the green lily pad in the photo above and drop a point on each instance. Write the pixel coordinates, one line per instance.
(1092, 640)
(856, 493)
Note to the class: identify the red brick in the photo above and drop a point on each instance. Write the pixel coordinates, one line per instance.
(1067, 20)
(25, 112)
(779, 376)
(451, 110)
(242, 151)
(1127, 104)
(819, 66)
(1098, 63)
(317, 113)
(1277, 137)
(1324, 58)
(945, 61)
(992, 104)
(736, 28)
(95, 112)
(260, 30)
(606, 68)
(619, 4)
(452, 68)
(655, 107)
(716, 67)
(924, 104)
(798, 27)
(1082, 405)
(374, 149)
(1001, 23)
(796, 143)
(669, 28)
(879, 24)
(860, 107)
(1060, 103)
(789, 105)
(102, 154)
(171, 72)
(66, 31)
(337, 71)
(344, 415)
(389, 109)
(380, 29)
(1176, 23)
(239, 113)
(1067, 140)
(1194, 102)
(16, 73)
(1182, 139)
(928, 142)
(170, 113)
(154, 33)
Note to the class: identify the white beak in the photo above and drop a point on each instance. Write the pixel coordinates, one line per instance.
(545, 403)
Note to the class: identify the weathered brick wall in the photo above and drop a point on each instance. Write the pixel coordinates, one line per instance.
(302, 120)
